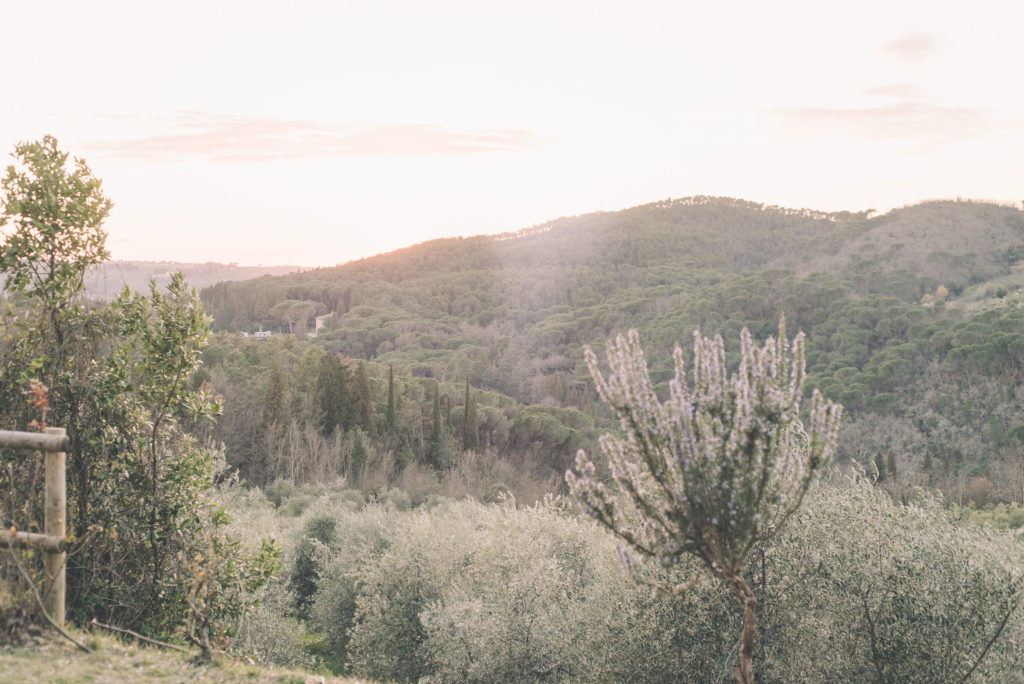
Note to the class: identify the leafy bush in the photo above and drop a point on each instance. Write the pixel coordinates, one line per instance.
(305, 574)
(862, 588)
(465, 591)
(1000, 516)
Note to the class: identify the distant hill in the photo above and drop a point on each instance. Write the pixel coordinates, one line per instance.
(652, 252)
(106, 280)
(915, 318)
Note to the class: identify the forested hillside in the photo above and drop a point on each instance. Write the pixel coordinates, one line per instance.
(373, 496)
(912, 316)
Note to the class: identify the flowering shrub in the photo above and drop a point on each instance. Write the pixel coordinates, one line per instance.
(717, 468)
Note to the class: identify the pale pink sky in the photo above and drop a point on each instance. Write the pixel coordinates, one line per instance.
(317, 132)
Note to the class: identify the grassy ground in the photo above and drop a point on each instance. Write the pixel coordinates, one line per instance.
(56, 660)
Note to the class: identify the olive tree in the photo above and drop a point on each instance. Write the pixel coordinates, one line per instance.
(714, 470)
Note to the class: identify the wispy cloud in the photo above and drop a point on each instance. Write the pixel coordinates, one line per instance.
(916, 122)
(911, 47)
(901, 91)
(213, 137)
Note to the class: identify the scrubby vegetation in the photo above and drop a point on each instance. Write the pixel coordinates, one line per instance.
(386, 499)
(903, 314)
(856, 588)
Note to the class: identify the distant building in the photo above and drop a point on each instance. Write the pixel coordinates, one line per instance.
(319, 322)
(261, 333)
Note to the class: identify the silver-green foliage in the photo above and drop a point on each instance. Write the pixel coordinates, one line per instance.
(465, 591)
(862, 589)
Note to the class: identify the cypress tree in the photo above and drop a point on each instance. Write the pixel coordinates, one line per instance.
(470, 431)
(404, 454)
(389, 420)
(358, 457)
(268, 435)
(332, 398)
(364, 402)
(434, 455)
(274, 398)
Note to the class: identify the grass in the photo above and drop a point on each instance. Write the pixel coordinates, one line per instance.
(56, 660)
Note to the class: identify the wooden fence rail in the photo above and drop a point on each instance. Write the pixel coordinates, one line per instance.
(53, 542)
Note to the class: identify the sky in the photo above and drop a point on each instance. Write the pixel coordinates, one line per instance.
(314, 133)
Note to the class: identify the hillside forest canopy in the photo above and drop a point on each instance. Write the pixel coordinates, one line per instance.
(913, 321)
(362, 469)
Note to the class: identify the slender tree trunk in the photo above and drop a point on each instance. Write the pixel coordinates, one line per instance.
(745, 671)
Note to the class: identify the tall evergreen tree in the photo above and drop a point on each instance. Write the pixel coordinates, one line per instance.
(404, 454)
(332, 396)
(389, 419)
(434, 451)
(274, 411)
(470, 430)
(357, 458)
(364, 402)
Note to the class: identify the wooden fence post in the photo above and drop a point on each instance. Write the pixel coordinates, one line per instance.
(55, 523)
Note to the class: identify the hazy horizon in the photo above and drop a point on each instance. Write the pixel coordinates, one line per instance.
(317, 133)
(873, 213)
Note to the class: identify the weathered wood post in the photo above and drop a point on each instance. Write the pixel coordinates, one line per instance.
(55, 523)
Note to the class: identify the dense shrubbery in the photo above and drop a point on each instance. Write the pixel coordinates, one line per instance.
(857, 588)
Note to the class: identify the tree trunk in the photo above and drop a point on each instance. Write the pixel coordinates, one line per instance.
(745, 671)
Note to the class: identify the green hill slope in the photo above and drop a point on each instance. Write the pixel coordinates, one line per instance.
(884, 300)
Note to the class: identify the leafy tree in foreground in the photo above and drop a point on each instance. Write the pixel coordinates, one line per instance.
(717, 468)
(56, 214)
(147, 548)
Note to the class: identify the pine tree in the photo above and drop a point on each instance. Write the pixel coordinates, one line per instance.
(274, 398)
(470, 431)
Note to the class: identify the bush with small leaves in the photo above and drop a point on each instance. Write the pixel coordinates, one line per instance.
(361, 537)
(861, 588)
(465, 591)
